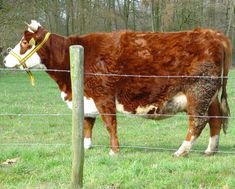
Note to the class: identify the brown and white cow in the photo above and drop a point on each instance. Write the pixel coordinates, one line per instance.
(150, 74)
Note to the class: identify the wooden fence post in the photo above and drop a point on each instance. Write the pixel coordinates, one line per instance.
(77, 80)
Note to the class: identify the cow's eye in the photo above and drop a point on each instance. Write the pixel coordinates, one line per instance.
(25, 42)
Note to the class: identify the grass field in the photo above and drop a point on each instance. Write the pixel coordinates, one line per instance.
(42, 144)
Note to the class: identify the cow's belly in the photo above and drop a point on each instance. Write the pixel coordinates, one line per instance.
(177, 104)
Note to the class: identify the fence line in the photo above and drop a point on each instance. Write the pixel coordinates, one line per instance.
(122, 115)
(34, 69)
(126, 75)
(33, 115)
(156, 76)
(121, 146)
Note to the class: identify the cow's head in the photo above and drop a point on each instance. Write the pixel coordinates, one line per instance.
(24, 51)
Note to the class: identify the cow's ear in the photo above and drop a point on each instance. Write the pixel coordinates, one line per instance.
(28, 35)
(40, 34)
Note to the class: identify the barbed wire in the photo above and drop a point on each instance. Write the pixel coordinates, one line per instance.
(107, 146)
(33, 115)
(120, 115)
(125, 75)
(156, 76)
(36, 70)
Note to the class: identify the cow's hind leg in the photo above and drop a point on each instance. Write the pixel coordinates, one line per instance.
(199, 97)
(88, 125)
(196, 125)
(215, 123)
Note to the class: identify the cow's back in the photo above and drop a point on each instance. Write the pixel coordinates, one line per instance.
(169, 53)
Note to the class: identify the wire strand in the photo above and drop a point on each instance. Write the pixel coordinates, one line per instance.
(121, 115)
(33, 115)
(107, 146)
(36, 70)
(124, 75)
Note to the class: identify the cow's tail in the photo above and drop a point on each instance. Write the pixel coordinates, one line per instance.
(224, 103)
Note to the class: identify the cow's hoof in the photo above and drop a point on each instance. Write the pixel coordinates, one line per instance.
(87, 143)
(180, 154)
(210, 153)
(112, 153)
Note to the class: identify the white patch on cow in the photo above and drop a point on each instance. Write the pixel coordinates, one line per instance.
(185, 147)
(90, 109)
(87, 143)
(142, 110)
(11, 61)
(68, 102)
(213, 145)
(176, 104)
(120, 108)
(180, 100)
(63, 95)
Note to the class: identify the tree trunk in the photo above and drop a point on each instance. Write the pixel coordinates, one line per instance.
(212, 14)
(134, 15)
(153, 15)
(231, 7)
(114, 13)
(109, 11)
(126, 8)
(82, 16)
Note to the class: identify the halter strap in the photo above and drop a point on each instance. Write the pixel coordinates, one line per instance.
(24, 59)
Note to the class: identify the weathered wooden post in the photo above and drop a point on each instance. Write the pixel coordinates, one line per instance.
(77, 80)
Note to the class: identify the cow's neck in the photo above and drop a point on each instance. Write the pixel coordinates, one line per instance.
(55, 56)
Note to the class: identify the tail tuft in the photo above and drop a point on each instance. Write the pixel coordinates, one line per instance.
(225, 113)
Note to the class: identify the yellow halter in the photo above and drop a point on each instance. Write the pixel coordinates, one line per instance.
(24, 59)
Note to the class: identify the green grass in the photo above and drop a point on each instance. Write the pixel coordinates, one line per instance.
(43, 145)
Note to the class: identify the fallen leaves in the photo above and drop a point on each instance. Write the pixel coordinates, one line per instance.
(11, 161)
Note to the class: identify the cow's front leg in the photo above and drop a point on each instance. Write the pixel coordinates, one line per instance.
(110, 122)
(106, 106)
(88, 125)
(107, 110)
